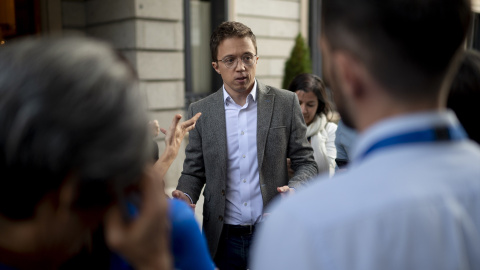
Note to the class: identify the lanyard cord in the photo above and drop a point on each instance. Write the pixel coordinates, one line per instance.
(436, 134)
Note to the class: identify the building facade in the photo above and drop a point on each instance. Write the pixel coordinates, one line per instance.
(167, 41)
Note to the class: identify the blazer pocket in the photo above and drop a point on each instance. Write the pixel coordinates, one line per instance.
(278, 127)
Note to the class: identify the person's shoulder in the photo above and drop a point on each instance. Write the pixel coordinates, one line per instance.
(331, 127)
(268, 89)
(206, 101)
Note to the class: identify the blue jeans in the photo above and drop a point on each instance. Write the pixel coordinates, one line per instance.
(233, 250)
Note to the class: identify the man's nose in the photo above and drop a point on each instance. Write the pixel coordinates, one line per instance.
(240, 65)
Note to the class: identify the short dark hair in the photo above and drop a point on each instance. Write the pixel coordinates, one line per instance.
(229, 30)
(68, 107)
(407, 45)
(465, 93)
(312, 83)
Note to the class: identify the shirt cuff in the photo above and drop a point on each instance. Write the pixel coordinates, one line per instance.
(189, 197)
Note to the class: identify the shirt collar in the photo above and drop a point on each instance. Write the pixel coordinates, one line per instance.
(401, 124)
(252, 93)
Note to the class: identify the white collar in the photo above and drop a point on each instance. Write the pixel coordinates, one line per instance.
(401, 124)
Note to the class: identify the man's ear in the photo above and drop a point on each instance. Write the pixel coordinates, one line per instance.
(66, 196)
(215, 66)
(350, 73)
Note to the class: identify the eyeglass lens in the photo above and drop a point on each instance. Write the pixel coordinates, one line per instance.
(247, 59)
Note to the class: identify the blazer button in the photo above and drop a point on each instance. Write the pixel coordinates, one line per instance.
(223, 192)
(220, 218)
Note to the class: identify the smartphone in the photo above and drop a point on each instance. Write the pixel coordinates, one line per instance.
(131, 206)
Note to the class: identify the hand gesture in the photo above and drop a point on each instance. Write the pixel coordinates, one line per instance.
(154, 128)
(285, 191)
(181, 196)
(176, 132)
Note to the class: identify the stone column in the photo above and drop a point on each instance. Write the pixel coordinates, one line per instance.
(150, 35)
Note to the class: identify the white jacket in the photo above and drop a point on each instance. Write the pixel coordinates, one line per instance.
(322, 138)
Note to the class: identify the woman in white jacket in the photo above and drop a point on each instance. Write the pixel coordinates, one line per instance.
(315, 105)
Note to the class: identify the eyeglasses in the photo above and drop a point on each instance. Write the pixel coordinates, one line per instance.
(231, 61)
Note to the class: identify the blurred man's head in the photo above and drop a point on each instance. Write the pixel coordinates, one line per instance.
(73, 138)
(405, 47)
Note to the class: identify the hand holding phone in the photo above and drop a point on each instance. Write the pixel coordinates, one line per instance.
(138, 227)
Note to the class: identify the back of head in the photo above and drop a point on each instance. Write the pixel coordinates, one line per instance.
(407, 45)
(68, 108)
(311, 83)
(465, 93)
(229, 30)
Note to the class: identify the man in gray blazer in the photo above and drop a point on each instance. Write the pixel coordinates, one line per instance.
(239, 148)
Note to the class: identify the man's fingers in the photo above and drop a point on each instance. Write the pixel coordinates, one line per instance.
(176, 119)
(190, 123)
(197, 116)
(180, 195)
(164, 131)
(190, 128)
(176, 194)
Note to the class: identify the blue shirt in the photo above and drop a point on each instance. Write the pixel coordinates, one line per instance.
(188, 245)
(344, 140)
(405, 206)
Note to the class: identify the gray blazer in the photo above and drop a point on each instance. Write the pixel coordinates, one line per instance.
(281, 133)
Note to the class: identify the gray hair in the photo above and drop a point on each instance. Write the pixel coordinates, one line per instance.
(68, 107)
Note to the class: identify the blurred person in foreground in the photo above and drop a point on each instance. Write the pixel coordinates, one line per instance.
(75, 152)
(464, 95)
(411, 196)
(316, 109)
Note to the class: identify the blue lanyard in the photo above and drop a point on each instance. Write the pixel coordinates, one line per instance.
(436, 134)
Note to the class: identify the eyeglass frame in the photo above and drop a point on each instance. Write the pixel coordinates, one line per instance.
(236, 60)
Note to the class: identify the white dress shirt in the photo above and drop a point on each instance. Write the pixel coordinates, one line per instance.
(408, 206)
(244, 205)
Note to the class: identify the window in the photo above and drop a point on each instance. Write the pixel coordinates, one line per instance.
(201, 17)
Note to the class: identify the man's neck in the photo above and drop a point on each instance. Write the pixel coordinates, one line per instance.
(380, 110)
(239, 98)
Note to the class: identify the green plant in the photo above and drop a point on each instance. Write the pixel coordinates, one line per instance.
(299, 61)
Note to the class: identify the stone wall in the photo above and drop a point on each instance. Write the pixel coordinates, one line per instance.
(275, 24)
(150, 34)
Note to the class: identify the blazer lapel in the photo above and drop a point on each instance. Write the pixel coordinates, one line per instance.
(264, 117)
(219, 131)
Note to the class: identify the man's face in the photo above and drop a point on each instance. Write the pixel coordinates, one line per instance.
(309, 105)
(331, 74)
(239, 78)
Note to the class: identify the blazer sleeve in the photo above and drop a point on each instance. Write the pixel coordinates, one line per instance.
(299, 150)
(192, 178)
